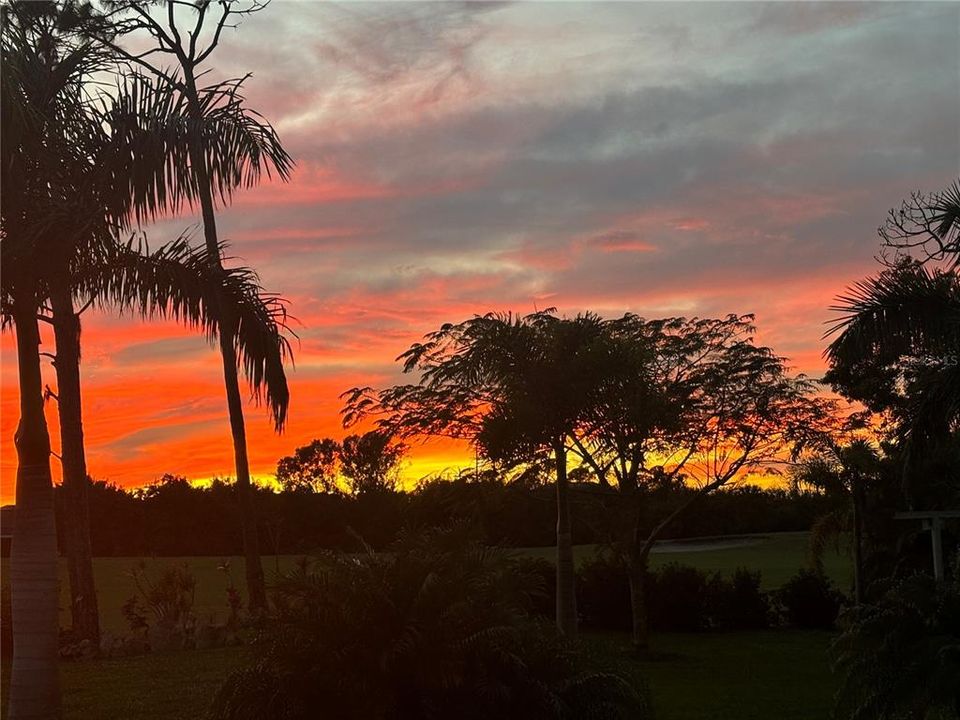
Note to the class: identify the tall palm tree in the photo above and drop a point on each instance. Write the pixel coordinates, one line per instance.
(142, 133)
(897, 345)
(58, 223)
(174, 281)
(42, 69)
(212, 166)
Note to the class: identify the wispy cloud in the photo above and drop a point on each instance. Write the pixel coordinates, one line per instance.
(455, 158)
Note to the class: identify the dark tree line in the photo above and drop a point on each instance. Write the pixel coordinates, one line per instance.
(161, 519)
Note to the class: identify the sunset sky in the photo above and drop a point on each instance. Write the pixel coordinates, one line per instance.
(662, 159)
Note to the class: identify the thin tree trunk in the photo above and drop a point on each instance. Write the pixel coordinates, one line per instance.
(83, 591)
(639, 554)
(34, 679)
(256, 589)
(857, 544)
(637, 576)
(566, 580)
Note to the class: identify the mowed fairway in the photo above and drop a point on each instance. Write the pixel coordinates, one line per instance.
(777, 556)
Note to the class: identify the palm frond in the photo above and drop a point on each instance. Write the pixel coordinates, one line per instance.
(946, 219)
(148, 155)
(186, 284)
(899, 311)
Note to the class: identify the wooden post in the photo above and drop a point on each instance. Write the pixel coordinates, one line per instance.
(933, 521)
(936, 525)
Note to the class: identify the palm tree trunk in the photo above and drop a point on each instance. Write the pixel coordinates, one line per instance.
(857, 543)
(83, 591)
(566, 580)
(256, 589)
(34, 679)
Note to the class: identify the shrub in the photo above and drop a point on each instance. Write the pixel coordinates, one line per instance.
(738, 603)
(438, 628)
(900, 657)
(810, 601)
(677, 598)
(603, 594)
(543, 599)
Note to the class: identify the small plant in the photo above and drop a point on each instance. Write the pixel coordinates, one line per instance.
(166, 602)
(135, 614)
(234, 599)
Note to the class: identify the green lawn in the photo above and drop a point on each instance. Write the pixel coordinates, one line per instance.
(777, 556)
(158, 686)
(764, 675)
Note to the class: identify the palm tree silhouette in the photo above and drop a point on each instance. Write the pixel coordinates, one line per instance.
(43, 132)
(71, 194)
(210, 167)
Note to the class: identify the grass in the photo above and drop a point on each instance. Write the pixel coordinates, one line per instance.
(158, 686)
(777, 556)
(760, 675)
(782, 674)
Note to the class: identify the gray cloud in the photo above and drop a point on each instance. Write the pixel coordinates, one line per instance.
(161, 351)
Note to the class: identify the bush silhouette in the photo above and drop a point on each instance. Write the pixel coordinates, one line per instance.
(437, 628)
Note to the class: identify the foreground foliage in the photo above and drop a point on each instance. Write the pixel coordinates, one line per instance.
(437, 629)
(900, 657)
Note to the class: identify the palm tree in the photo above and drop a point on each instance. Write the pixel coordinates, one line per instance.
(42, 70)
(845, 472)
(897, 348)
(65, 147)
(900, 657)
(146, 135)
(212, 165)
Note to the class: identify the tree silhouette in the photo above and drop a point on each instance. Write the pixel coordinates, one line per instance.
(311, 468)
(514, 386)
(846, 472)
(369, 462)
(925, 227)
(45, 135)
(116, 161)
(212, 166)
(689, 401)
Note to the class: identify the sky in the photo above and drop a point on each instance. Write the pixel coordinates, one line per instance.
(453, 159)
